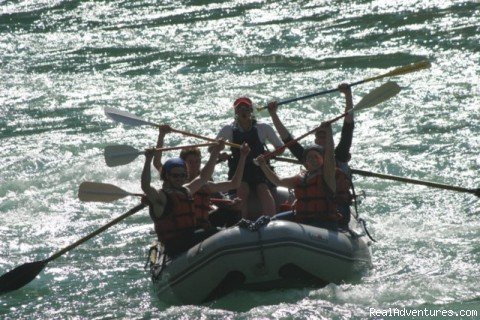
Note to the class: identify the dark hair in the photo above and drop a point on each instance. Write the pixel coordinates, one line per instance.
(316, 148)
(190, 151)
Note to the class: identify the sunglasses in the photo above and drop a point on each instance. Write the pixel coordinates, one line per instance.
(177, 175)
(243, 107)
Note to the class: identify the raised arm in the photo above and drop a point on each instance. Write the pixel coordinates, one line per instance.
(342, 151)
(156, 199)
(237, 177)
(207, 170)
(272, 176)
(157, 158)
(281, 129)
(296, 149)
(329, 159)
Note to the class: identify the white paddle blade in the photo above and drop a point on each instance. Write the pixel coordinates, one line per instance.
(378, 95)
(126, 118)
(100, 192)
(118, 155)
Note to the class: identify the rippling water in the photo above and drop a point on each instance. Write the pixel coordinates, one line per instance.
(183, 63)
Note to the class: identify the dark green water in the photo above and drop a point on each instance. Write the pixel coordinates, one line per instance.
(183, 63)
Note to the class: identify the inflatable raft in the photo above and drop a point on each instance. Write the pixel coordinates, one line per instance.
(259, 256)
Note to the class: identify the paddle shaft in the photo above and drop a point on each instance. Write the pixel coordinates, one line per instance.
(397, 178)
(235, 145)
(415, 181)
(96, 232)
(187, 146)
(395, 72)
(292, 142)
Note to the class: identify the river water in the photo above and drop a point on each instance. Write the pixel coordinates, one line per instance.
(183, 63)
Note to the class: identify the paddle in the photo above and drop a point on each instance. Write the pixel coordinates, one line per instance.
(397, 178)
(374, 97)
(102, 192)
(22, 275)
(133, 120)
(395, 72)
(118, 155)
(415, 181)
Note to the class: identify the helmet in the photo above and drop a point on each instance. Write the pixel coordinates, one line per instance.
(170, 164)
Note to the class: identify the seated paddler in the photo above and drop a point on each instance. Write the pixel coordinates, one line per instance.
(319, 190)
(172, 207)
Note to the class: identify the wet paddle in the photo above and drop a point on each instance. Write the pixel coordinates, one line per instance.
(102, 192)
(415, 181)
(373, 98)
(118, 155)
(395, 72)
(24, 274)
(397, 178)
(133, 120)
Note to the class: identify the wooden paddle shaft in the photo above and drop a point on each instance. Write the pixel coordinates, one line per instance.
(96, 232)
(235, 145)
(187, 146)
(414, 181)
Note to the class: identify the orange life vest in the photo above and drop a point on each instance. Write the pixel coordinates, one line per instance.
(178, 217)
(201, 206)
(314, 202)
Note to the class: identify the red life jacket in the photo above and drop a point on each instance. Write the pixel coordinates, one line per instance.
(315, 202)
(178, 217)
(201, 206)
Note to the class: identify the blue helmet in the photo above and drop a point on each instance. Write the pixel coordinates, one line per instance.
(170, 164)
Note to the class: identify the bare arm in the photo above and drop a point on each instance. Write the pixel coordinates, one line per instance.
(157, 158)
(237, 177)
(156, 199)
(281, 129)
(347, 91)
(272, 176)
(207, 170)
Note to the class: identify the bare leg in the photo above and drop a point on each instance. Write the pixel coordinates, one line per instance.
(266, 198)
(242, 193)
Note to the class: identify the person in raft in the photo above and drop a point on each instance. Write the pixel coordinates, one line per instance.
(245, 128)
(227, 212)
(171, 207)
(320, 190)
(342, 150)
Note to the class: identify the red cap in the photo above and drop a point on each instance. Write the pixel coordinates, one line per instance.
(243, 100)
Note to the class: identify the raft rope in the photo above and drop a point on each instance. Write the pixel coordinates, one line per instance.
(364, 225)
(254, 225)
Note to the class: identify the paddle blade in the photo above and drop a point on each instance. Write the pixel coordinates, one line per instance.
(20, 276)
(378, 95)
(126, 118)
(100, 192)
(118, 155)
(409, 68)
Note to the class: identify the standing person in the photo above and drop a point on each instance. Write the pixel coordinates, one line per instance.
(246, 129)
(171, 207)
(342, 151)
(320, 190)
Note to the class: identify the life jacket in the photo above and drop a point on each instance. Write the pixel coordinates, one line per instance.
(201, 206)
(256, 147)
(314, 200)
(178, 217)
